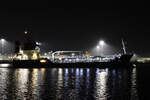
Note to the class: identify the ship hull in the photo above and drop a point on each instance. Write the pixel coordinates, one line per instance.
(29, 63)
(123, 61)
(125, 58)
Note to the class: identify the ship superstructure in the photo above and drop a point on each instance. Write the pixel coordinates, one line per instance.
(28, 49)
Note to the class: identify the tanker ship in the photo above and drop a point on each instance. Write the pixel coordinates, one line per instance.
(27, 54)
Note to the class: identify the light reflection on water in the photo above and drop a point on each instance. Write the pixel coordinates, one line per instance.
(68, 84)
(134, 92)
(21, 79)
(101, 81)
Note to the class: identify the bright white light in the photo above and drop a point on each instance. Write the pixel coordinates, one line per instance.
(4, 65)
(97, 47)
(45, 54)
(77, 59)
(72, 54)
(101, 42)
(2, 40)
(38, 43)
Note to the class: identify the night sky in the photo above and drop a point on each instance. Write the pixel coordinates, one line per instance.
(73, 28)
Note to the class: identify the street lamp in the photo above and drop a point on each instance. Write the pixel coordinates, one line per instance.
(38, 43)
(101, 42)
(97, 47)
(2, 43)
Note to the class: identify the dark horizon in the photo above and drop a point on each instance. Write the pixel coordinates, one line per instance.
(79, 28)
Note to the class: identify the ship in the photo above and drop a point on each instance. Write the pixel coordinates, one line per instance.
(27, 54)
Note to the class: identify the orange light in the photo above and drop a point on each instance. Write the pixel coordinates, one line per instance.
(25, 32)
(43, 61)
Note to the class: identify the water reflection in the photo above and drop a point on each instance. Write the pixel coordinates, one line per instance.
(101, 85)
(59, 84)
(21, 79)
(134, 94)
(68, 84)
(26, 83)
(42, 73)
(3, 83)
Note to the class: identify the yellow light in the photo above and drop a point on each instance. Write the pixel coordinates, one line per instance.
(21, 51)
(19, 57)
(43, 61)
(34, 57)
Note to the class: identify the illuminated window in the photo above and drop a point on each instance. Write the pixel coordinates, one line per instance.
(34, 57)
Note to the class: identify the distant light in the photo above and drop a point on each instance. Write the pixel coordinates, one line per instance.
(4, 65)
(19, 57)
(77, 59)
(21, 51)
(43, 61)
(45, 54)
(34, 56)
(60, 58)
(97, 47)
(73, 54)
(2, 40)
(134, 65)
(25, 32)
(101, 42)
(25, 57)
(38, 43)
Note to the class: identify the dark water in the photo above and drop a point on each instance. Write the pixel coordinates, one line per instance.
(73, 84)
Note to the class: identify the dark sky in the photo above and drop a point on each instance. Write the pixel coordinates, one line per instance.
(79, 28)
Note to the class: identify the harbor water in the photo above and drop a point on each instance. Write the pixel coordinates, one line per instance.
(73, 83)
